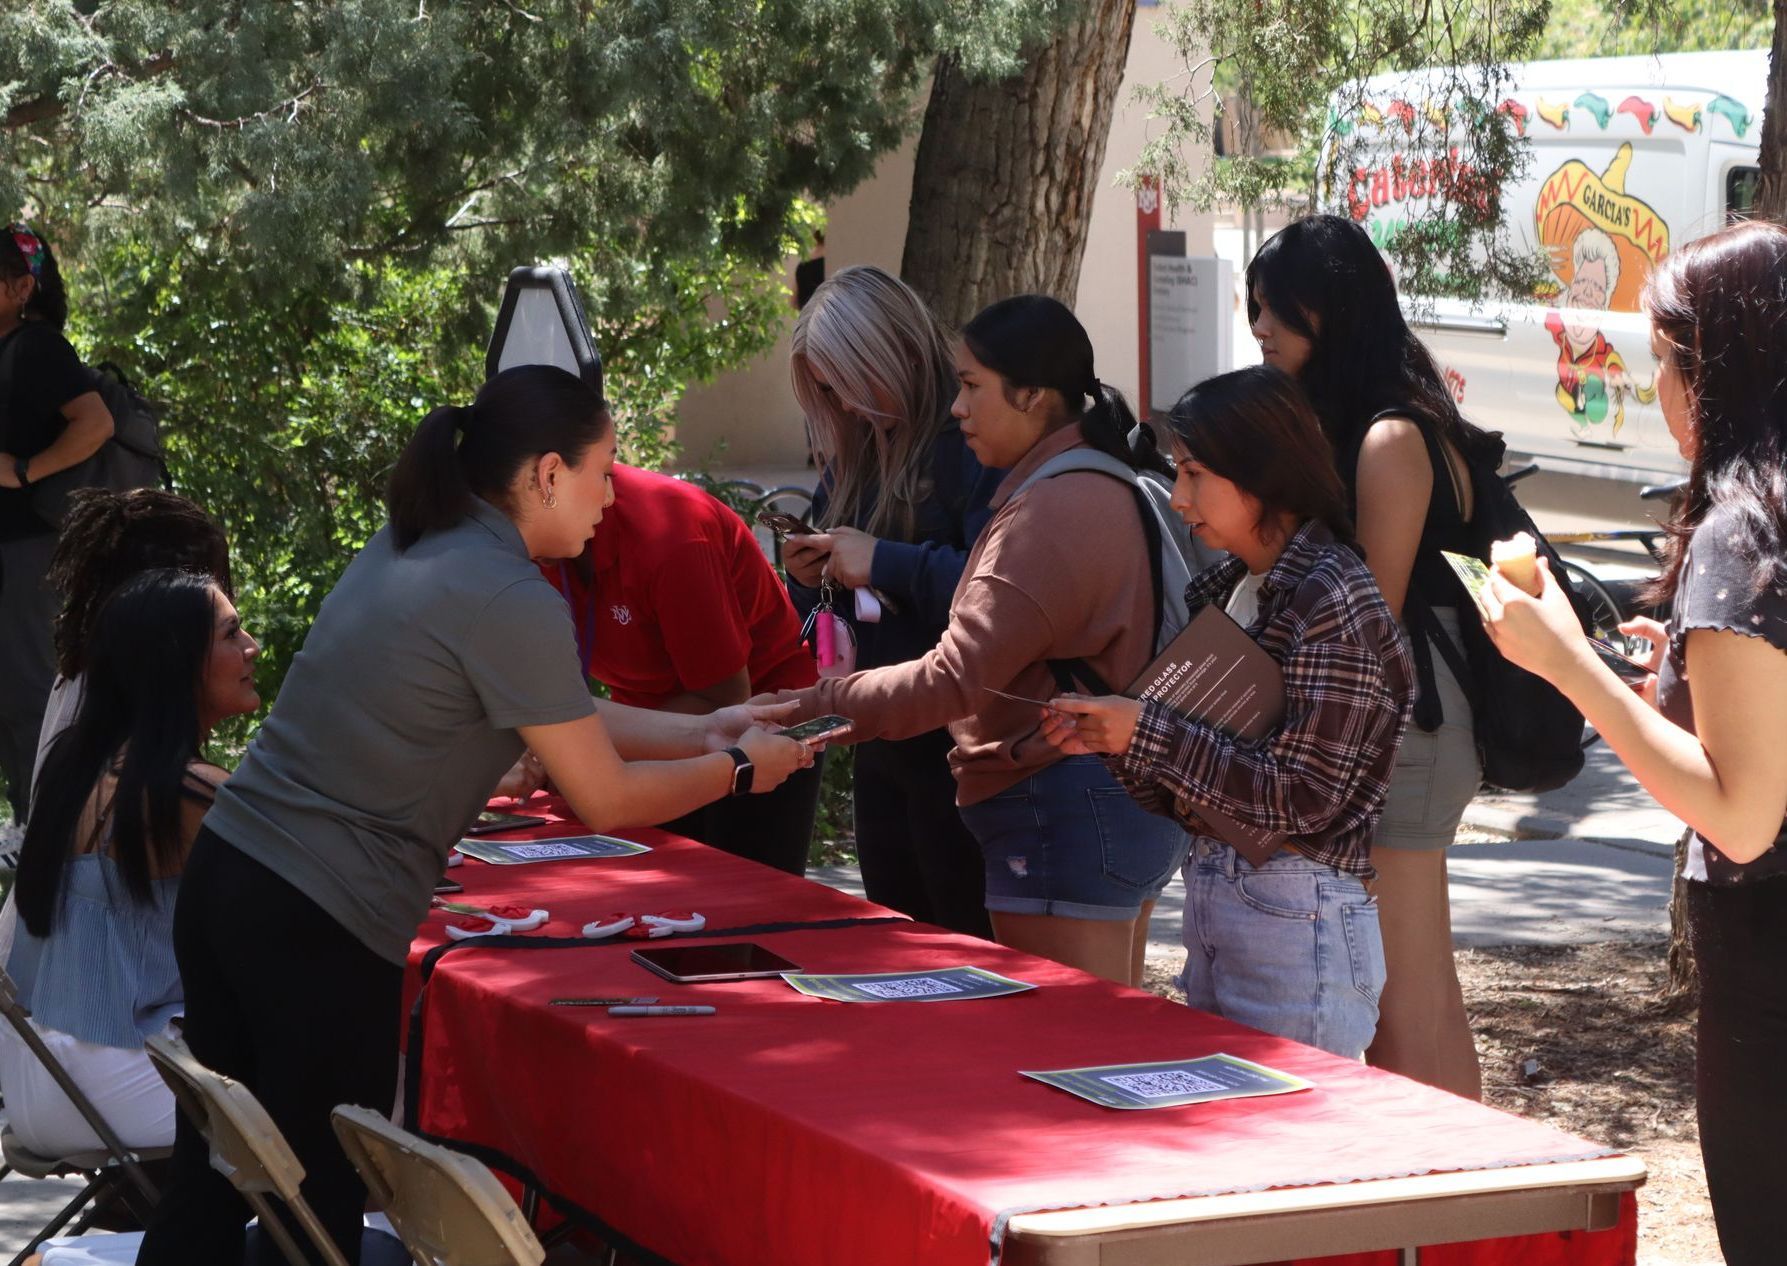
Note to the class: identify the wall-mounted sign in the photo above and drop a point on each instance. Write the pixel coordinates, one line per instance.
(1190, 319)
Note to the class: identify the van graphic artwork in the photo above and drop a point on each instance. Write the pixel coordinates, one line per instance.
(1601, 243)
(1621, 160)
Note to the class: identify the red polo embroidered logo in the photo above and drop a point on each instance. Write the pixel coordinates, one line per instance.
(622, 613)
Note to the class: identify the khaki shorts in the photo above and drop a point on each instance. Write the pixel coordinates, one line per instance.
(1437, 774)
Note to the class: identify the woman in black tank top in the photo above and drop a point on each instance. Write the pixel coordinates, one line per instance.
(1323, 307)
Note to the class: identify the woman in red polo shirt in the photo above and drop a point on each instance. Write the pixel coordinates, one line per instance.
(678, 610)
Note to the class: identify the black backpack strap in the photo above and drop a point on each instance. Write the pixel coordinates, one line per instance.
(1426, 635)
(1070, 674)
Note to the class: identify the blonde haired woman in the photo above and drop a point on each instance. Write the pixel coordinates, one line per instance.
(901, 500)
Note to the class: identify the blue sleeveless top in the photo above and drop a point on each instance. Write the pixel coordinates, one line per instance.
(106, 972)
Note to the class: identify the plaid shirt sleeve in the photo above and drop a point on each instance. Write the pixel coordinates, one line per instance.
(1322, 775)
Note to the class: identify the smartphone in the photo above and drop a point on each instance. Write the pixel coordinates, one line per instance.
(444, 885)
(697, 964)
(818, 730)
(1627, 670)
(784, 524)
(490, 820)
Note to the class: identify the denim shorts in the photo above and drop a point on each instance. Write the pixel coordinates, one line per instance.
(1291, 948)
(1068, 840)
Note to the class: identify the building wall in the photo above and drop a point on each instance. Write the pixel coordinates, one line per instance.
(749, 417)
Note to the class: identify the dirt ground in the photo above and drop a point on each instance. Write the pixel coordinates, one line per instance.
(1608, 1067)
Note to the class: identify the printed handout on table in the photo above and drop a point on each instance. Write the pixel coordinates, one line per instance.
(559, 848)
(1172, 1083)
(946, 984)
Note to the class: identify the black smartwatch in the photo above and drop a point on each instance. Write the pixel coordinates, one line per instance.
(21, 466)
(742, 771)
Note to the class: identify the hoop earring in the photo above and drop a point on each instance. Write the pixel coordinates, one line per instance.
(550, 500)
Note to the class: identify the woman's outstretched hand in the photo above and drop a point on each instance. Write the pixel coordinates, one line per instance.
(1082, 726)
(726, 725)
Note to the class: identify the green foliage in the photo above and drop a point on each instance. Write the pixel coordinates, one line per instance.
(834, 829)
(1590, 28)
(1304, 71)
(290, 222)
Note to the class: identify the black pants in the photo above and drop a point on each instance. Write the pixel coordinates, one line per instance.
(775, 828)
(1740, 948)
(285, 1000)
(916, 855)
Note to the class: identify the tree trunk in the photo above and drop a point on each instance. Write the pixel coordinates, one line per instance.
(1681, 990)
(1006, 171)
(1771, 199)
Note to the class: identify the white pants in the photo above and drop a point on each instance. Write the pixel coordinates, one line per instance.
(128, 1092)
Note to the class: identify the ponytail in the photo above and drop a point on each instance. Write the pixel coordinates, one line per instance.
(462, 452)
(1110, 427)
(428, 491)
(1036, 341)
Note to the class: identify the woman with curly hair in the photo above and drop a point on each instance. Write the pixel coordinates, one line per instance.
(108, 538)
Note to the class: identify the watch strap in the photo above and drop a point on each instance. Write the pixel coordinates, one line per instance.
(742, 771)
(21, 467)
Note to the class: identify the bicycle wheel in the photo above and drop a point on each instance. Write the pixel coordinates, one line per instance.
(1604, 611)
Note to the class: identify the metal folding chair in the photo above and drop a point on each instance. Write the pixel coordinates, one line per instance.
(448, 1209)
(110, 1170)
(246, 1147)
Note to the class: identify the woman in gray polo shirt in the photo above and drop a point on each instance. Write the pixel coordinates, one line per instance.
(439, 656)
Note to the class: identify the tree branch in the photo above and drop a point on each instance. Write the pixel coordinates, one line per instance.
(41, 109)
(289, 107)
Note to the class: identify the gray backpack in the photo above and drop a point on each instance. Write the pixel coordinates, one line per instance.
(1174, 557)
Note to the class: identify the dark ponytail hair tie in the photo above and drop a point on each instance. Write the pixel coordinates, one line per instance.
(462, 417)
(1096, 390)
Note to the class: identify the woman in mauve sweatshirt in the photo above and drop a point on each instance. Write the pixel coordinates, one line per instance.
(1073, 865)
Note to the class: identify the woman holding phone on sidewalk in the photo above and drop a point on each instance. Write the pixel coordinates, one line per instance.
(1706, 739)
(438, 656)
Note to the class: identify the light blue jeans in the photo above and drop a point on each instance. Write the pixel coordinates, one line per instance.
(1291, 948)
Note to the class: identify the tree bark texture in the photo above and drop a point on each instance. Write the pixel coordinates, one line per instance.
(1682, 989)
(1006, 171)
(1771, 198)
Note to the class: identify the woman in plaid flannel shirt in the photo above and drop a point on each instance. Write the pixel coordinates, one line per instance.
(1291, 946)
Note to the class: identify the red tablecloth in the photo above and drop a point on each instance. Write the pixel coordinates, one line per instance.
(796, 1130)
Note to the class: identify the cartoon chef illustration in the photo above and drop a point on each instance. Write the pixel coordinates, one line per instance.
(1592, 380)
(1601, 241)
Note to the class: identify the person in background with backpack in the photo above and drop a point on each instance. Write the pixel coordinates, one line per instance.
(1073, 866)
(1323, 307)
(1705, 739)
(1291, 946)
(900, 502)
(51, 418)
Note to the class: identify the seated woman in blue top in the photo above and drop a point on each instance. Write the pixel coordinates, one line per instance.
(118, 805)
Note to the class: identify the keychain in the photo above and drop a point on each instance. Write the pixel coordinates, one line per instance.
(830, 635)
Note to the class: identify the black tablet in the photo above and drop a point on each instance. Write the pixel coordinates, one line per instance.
(695, 964)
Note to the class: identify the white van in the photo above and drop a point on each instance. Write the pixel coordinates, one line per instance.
(1631, 157)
